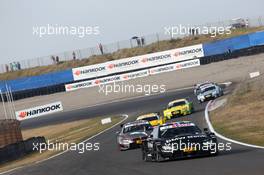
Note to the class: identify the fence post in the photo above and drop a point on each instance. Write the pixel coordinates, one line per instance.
(158, 40)
(130, 44)
(260, 21)
(118, 46)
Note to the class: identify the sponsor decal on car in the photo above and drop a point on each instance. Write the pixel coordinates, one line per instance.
(175, 125)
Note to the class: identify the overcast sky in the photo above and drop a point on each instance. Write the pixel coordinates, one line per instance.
(117, 20)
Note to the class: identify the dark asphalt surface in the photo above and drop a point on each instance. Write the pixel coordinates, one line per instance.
(110, 161)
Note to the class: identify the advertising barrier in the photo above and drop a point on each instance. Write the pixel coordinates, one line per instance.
(106, 80)
(106, 120)
(138, 62)
(173, 67)
(39, 111)
(132, 75)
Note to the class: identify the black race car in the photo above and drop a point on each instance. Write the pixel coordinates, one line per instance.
(178, 140)
(132, 134)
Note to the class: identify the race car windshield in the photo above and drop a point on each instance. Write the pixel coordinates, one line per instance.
(180, 103)
(151, 118)
(135, 128)
(208, 89)
(172, 132)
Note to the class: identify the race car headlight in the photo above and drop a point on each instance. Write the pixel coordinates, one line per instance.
(125, 141)
(167, 148)
(200, 97)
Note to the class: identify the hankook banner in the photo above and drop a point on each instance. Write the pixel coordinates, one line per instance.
(138, 62)
(106, 80)
(39, 111)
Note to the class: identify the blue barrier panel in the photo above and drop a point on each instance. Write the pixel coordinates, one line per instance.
(226, 45)
(40, 81)
(256, 39)
(240, 42)
(217, 47)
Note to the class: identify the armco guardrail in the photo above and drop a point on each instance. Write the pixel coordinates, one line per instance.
(213, 51)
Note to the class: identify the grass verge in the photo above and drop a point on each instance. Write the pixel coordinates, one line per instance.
(124, 53)
(72, 132)
(242, 117)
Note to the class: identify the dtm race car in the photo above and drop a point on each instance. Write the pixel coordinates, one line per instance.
(178, 140)
(153, 118)
(132, 133)
(209, 91)
(199, 85)
(178, 108)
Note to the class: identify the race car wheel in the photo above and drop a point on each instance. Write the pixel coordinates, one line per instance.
(145, 157)
(158, 157)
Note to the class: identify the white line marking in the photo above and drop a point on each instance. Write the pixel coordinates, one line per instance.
(37, 162)
(221, 136)
(126, 116)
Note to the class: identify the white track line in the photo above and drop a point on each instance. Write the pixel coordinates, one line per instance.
(221, 136)
(9, 171)
(126, 116)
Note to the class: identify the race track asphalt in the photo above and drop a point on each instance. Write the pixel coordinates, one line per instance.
(110, 161)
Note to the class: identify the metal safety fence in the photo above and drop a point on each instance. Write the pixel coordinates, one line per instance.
(135, 41)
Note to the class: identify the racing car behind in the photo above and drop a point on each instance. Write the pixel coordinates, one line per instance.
(177, 108)
(209, 91)
(153, 118)
(132, 134)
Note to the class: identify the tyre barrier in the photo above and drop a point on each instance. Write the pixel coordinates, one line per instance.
(20, 149)
(10, 132)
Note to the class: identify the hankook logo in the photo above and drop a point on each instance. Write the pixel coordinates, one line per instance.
(186, 52)
(39, 111)
(86, 71)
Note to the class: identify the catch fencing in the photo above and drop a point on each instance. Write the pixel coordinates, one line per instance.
(116, 46)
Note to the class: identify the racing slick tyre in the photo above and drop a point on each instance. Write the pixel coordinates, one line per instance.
(145, 156)
(158, 157)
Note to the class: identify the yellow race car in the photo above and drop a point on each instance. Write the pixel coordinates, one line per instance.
(178, 108)
(153, 118)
